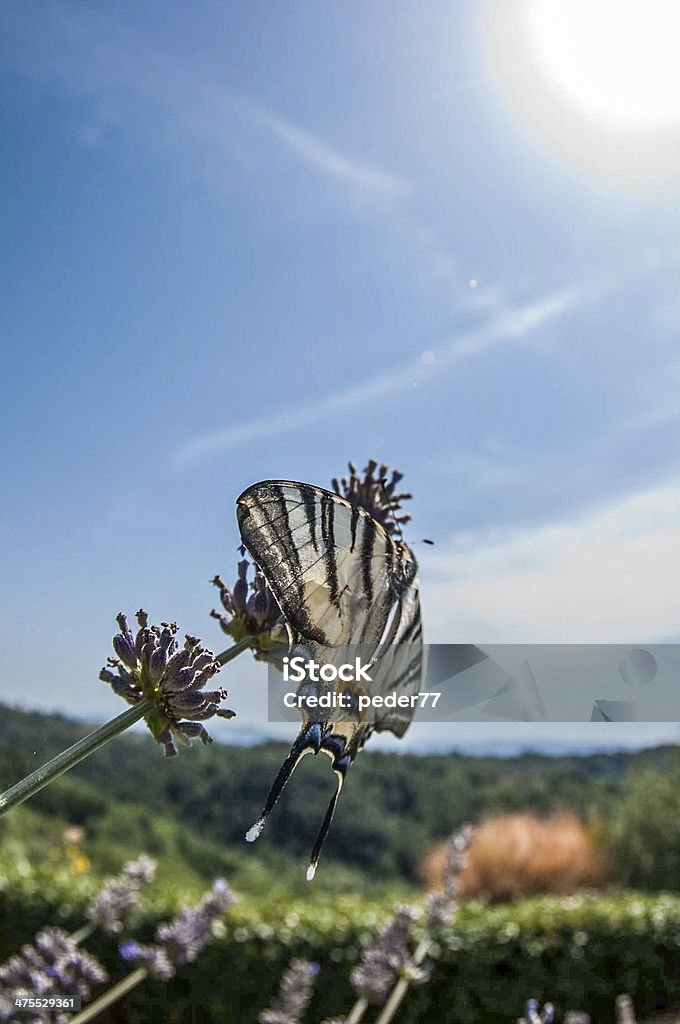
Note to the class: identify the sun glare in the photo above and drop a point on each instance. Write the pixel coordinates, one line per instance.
(618, 59)
(598, 81)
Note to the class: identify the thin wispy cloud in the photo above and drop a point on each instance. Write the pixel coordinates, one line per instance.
(610, 574)
(128, 73)
(323, 158)
(511, 326)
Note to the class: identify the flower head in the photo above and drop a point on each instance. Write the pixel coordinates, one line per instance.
(250, 610)
(443, 904)
(388, 959)
(53, 966)
(534, 1015)
(376, 494)
(625, 1011)
(152, 665)
(294, 995)
(121, 894)
(154, 958)
(182, 940)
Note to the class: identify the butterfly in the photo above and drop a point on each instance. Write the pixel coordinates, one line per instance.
(341, 581)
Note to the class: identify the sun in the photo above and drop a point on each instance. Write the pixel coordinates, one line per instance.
(597, 81)
(617, 59)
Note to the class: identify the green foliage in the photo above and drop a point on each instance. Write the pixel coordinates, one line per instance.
(392, 808)
(643, 834)
(191, 814)
(579, 952)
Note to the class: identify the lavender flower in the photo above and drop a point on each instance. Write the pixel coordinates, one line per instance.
(53, 966)
(151, 665)
(443, 904)
(257, 616)
(376, 495)
(153, 958)
(182, 940)
(533, 1016)
(388, 959)
(625, 1012)
(294, 995)
(121, 894)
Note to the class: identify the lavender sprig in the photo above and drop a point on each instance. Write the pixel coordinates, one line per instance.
(378, 495)
(182, 940)
(250, 612)
(53, 966)
(443, 904)
(534, 1015)
(388, 968)
(152, 665)
(294, 995)
(625, 1011)
(177, 942)
(389, 958)
(160, 710)
(120, 895)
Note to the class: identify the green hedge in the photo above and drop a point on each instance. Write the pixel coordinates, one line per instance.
(579, 952)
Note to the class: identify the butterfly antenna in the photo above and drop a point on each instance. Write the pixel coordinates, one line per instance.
(325, 825)
(309, 739)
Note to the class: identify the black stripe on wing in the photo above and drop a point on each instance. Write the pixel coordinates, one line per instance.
(290, 528)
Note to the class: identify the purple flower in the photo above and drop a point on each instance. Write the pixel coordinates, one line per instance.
(443, 904)
(53, 966)
(182, 940)
(250, 610)
(294, 995)
(546, 1015)
(121, 894)
(376, 494)
(389, 958)
(151, 665)
(625, 1011)
(154, 958)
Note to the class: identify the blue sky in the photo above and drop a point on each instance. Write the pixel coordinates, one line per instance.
(249, 240)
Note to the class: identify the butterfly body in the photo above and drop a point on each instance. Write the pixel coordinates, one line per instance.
(343, 583)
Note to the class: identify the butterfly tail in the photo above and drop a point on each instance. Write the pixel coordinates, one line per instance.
(308, 741)
(340, 769)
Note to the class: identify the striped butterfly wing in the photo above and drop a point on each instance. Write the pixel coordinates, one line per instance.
(341, 581)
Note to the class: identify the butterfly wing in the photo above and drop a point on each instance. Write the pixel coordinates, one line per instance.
(342, 582)
(333, 569)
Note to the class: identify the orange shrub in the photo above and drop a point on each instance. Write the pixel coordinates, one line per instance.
(515, 855)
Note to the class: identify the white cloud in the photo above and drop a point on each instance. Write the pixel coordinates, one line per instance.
(514, 325)
(321, 157)
(610, 575)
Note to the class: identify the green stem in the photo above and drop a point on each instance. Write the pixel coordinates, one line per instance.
(357, 1012)
(233, 652)
(83, 933)
(37, 780)
(115, 993)
(400, 989)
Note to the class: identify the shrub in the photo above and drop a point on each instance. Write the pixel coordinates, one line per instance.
(515, 855)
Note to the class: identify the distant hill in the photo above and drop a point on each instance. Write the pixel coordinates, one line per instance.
(393, 807)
